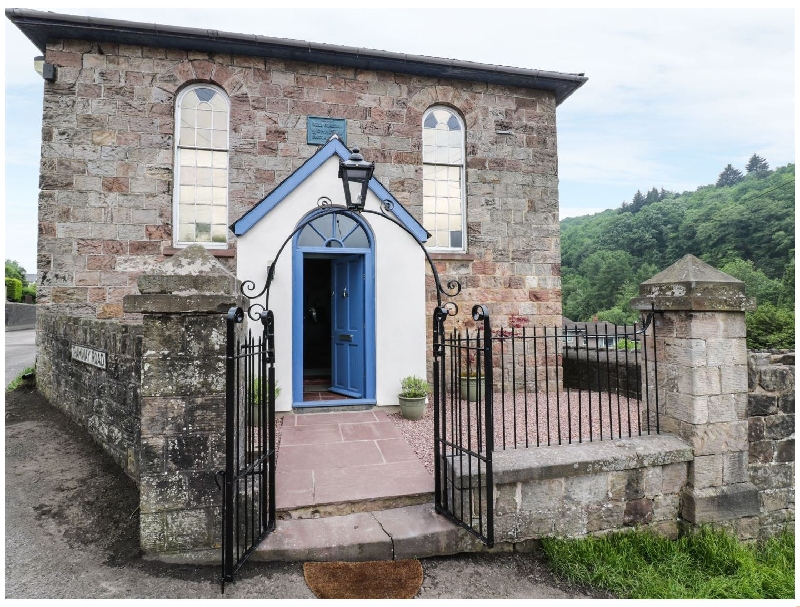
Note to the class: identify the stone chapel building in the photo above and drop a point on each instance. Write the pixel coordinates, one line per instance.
(157, 137)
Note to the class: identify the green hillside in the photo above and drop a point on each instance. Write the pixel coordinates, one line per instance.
(745, 229)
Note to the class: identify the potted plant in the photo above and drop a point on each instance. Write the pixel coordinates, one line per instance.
(413, 396)
(255, 414)
(468, 382)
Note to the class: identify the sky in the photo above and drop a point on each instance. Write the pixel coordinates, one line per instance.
(673, 95)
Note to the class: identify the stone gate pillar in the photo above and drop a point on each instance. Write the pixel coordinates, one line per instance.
(702, 383)
(184, 305)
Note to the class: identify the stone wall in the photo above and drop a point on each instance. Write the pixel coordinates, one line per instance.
(105, 207)
(603, 371)
(770, 411)
(20, 316)
(590, 489)
(105, 401)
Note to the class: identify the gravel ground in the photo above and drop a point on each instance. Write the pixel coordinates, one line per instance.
(574, 416)
(72, 532)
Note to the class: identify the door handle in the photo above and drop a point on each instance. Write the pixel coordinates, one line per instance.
(344, 293)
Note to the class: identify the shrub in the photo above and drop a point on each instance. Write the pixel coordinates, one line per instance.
(413, 387)
(29, 289)
(770, 327)
(13, 289)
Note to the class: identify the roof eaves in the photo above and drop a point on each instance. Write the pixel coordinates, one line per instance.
(40, 26)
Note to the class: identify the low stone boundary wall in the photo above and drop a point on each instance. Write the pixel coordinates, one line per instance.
(770, 417)
(591, 488)
(20, 316)
(603, 370)
(91, 370)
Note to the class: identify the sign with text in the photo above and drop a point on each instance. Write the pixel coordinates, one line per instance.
(321, 129)
(96, 358)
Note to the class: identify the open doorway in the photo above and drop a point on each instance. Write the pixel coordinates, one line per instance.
(317, 329)
(334, 327)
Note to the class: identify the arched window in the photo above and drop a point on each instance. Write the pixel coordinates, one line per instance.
(443, 179)
(334, 231)
(200, 207)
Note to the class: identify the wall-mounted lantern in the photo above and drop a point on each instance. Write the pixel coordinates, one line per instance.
(356, 170)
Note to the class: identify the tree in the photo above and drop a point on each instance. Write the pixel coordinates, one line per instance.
(757, 284)
(729, 176)
(14, 270)
(638, 201)
(756, 164)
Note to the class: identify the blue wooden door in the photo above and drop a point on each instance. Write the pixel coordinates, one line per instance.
(348, 365)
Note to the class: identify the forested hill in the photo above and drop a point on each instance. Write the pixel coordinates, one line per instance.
(747, 227)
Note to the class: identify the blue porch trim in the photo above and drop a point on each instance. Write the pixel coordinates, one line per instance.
(288, 185)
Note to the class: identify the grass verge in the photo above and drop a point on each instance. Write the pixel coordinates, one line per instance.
(18, 381)
(709, 564)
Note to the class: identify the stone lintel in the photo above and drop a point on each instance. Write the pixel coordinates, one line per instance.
(716, 504)
(692, 284)
(542, 463)
(201, 303)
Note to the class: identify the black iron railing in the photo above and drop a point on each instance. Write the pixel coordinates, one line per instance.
(553, 385)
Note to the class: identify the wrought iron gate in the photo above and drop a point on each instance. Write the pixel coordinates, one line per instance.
(248, 509)
(463, 424)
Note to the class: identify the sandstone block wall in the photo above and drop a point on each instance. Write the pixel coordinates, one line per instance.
(106, 401)
(770, 412)
(105, 208)
(590, 489)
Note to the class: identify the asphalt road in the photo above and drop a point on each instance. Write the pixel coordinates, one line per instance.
(20, 352)
(72, 526)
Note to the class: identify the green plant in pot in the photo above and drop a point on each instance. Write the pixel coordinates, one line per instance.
(412, 397)
(255, 412)
(469, 382)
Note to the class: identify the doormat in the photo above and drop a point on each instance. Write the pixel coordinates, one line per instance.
(365, 580)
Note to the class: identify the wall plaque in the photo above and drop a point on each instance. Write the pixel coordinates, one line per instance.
(96, 358)
(320, 129)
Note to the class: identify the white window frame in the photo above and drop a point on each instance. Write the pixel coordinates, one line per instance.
(463, 166)
(176, 177)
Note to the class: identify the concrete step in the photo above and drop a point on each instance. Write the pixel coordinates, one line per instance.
(392, 534)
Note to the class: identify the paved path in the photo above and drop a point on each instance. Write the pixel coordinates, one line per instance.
(329, 458)
(20, 352)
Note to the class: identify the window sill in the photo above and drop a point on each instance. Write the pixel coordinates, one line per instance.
(452, 257)
(169, 251)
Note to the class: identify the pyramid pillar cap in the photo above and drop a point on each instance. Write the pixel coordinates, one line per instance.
(692, 284)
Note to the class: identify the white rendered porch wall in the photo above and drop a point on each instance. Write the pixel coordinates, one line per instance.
(400, 314)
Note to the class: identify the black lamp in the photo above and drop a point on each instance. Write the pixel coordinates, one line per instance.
(356, 170)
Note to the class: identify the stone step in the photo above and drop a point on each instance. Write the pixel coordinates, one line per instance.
(392, 534)
(343, 508)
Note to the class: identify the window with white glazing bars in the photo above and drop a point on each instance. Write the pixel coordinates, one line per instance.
(201, 166)
(443, 179)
